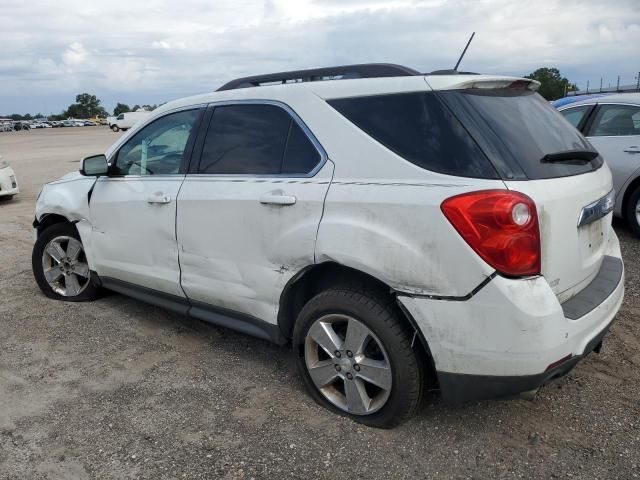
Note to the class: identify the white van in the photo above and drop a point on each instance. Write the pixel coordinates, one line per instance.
(125, 121)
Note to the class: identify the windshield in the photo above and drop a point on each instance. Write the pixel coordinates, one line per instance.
(517, 129)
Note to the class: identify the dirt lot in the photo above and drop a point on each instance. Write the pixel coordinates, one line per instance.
(118, 389)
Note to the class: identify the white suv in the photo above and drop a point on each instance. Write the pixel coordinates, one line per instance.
(395, 227)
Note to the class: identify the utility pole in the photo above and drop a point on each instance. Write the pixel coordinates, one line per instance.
(600, 84)
(638, 84)
(618, 85)
(587, 86)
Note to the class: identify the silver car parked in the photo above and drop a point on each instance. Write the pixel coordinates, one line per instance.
(612, 125)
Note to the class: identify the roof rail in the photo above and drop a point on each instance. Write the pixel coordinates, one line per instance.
(364, 70)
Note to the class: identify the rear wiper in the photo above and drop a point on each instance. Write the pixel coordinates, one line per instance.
(568, 156)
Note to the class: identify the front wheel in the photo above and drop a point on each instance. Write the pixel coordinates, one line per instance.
(114, 128)
(60, 265)
(632, 213)
(356, 358)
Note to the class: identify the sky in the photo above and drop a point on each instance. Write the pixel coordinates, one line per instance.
(155, 51)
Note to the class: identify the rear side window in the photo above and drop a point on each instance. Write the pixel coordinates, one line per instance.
(256, 140)
(419, 128)
(517, 129)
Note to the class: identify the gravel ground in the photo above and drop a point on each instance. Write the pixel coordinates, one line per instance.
(119, 389)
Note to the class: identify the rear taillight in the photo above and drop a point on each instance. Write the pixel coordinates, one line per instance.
(501, 226)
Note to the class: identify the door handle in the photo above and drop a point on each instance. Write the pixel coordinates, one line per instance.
(632, 149)
(159, 199)
(273, 198)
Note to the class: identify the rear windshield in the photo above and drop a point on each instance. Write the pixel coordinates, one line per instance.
(516, 129)
(419, 128)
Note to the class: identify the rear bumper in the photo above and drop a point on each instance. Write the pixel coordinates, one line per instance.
(509, 337)
(459, 388)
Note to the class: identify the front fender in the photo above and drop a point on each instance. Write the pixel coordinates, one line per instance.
(69, 198)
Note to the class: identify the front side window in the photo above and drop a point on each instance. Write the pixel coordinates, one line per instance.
(159, 147)
(575, 115)
(256, 140)
(616, 120)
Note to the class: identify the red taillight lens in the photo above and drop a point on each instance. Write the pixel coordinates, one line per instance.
(501, 226)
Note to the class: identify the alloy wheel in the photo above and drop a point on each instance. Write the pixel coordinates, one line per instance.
(65, 266)
(348, 364)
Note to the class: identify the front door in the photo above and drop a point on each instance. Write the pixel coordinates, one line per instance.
(248, 212)
(133, 210)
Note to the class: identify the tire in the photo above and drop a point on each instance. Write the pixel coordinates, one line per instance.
(63, 241)
(385, 355)
(632, 211)
(115, 128)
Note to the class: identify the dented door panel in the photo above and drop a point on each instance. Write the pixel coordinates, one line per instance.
(237, 252)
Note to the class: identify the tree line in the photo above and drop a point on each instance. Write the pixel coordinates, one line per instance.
(85, 106)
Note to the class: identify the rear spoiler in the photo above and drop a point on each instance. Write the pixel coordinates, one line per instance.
(489, 83)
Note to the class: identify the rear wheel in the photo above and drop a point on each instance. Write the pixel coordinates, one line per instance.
(356, 359)
(632, 213)
(60, 265)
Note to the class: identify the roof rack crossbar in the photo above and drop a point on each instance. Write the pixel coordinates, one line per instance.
(365, 70)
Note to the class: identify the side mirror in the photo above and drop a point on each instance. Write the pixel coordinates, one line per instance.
(94, 166)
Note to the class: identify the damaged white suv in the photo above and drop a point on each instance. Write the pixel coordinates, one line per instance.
(396, 228)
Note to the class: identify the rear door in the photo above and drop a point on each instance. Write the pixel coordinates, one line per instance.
(615, 132)
(249, 210)
(523, 135)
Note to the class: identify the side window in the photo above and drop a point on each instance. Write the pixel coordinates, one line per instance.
(616, 120)
(257, 140)
(419, 128)
(300, 156)
(159, 147)
(120, 117)
(575, 115)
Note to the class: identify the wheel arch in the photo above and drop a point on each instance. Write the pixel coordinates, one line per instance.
(628, 191)
(49, 219)
(315, 278)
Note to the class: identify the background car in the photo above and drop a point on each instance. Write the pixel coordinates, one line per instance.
(612, 125)
(21, 126)
(8, 182)
(561, 102)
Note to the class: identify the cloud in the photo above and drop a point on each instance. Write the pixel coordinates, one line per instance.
(152, 51)
(76, 54)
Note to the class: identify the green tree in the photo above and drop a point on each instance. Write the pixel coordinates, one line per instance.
(86, 106)
(121, 108)
(553, 84)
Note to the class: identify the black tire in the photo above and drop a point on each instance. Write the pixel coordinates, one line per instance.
(115, 128)
(90, 292)
(381, 316)
(630, 211)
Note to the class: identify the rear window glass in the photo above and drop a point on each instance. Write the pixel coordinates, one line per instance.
(419, 128)
(517, 128)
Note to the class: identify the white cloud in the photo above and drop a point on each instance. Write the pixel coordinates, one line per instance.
(76, 54)
(158, 49)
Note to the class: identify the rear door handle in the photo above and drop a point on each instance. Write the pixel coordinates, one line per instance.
(159, 198)
(632, 149)
(273, 198)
